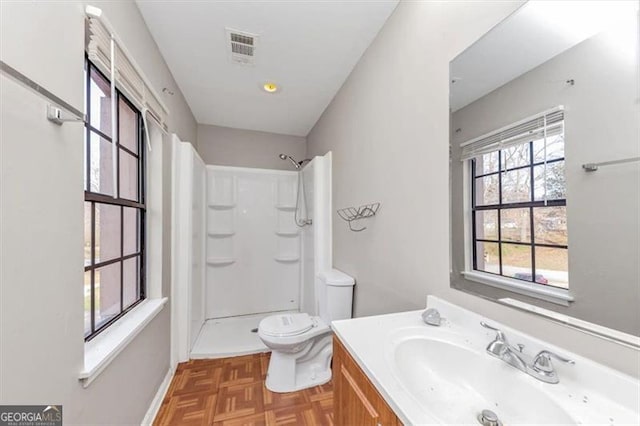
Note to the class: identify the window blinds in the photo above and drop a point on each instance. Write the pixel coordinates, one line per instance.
(540, 126)
(128, 77)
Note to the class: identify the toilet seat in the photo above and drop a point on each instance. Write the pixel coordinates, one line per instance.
(286, 325)
(292, 342)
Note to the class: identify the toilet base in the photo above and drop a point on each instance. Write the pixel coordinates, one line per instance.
(290, 372)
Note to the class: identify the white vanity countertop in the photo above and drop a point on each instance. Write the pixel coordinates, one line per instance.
(363, 338)
(589, 393)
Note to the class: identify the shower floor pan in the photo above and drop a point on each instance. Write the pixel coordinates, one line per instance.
(232, 336)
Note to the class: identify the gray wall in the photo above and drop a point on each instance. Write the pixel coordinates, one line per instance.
(388, 128)
(41, 276)
(225, 146)
(601, 124)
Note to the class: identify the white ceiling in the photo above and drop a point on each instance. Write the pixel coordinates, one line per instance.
(307, 47)
(531, 36)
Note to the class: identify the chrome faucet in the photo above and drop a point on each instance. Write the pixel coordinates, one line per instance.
(539, 366)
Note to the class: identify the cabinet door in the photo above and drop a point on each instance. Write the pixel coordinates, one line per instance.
(356, 401)
(357, 409)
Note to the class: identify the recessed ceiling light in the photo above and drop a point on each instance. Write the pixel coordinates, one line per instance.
(270, 87)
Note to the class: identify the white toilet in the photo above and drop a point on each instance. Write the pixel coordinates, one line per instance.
(300, 344)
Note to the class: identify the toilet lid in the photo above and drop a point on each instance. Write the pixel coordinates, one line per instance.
(286, 324)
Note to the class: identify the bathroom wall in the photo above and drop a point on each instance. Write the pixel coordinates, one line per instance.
(388, 128)
(603, 248)
(224, 146)
(41, 276)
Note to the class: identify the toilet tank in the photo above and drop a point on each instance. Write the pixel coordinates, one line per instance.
(338, 295)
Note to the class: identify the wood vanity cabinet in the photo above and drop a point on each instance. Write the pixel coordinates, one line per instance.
(356, 402)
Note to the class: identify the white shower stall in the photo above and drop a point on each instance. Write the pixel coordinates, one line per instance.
(252, 257)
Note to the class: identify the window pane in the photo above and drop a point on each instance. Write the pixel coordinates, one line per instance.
(128, 126)
(516, 186)
(87, 303)
(100, 103)
(516, 261)
(515, 225)
(130, 283)
(487, 190)
(487, 224)
(130, 234)
(516, 156)
(101, 165)
(555, 183)
(552, 266)
(87, 234)
(487, 257)
(128, 176)
(550, 225)
(107, 284)
(555, 148)
(107, 232)
(487, 163)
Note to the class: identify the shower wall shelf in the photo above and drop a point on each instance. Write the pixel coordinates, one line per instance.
(287, 207)
(287, 233)
(221, 234)
(351, 214)
(220, 261)
(287, 259)
(219, 206)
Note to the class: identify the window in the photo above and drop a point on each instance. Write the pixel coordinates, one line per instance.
(518, 207)
(114, 208)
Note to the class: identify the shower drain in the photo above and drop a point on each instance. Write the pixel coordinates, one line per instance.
(489, 418)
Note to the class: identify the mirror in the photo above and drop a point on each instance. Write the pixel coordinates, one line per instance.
(545, 177)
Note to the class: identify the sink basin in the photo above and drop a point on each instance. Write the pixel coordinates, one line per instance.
(444, 375)
(457, 383)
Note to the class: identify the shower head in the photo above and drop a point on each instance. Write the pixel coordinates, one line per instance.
(290, 158)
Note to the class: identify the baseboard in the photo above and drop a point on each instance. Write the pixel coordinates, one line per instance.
(157, 400)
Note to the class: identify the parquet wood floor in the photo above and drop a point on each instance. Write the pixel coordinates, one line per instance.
(231, 392)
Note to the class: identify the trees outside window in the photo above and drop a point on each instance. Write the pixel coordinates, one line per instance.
(519, 212)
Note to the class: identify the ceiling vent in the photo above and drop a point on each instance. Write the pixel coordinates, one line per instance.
(242, 46)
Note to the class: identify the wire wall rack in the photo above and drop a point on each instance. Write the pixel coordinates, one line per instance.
(352, 214)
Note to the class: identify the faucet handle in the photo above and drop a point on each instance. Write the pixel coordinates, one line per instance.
(499, 334)
(542, 361)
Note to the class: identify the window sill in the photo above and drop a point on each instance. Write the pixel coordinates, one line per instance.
(100, 351)
(549, 294)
